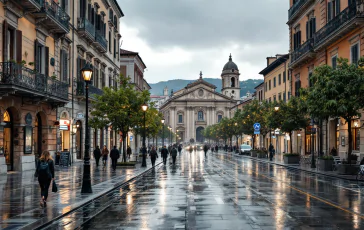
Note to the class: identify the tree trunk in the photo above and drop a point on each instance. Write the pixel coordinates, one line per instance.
(290, 142)
(124, 147)
(350, 140)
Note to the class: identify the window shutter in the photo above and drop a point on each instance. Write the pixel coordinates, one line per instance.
(299, 39)
(46, 67)
(310, 28)
(36, 56)
(284, 76)
(294, 41)
(313, 26)
(114, 48)
(329, 11)
(333, 62)
(337, 2)
(5, 41)
(89, 12)
(65, 67)
(92, 16)
(19, 39)
(354, 54)
(307, 30)
(82, 9)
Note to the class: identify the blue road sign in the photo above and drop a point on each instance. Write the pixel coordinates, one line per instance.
(256, 132)
(256, 126)
(131, 138)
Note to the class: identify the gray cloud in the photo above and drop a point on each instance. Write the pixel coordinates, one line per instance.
(207, 23)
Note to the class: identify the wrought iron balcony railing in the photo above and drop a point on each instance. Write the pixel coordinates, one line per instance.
(86, 25)
(81, 90)
(101, 39)
(336, 23)
(53, 9)
(27, 81)
(295, 7)
(302, 50)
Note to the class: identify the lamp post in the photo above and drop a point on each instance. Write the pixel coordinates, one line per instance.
(276, 108)
(313, 163)
(86, 180)
(144, 162)
(163, 132)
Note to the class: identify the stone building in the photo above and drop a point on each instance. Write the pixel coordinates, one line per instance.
(190, 110)
(44, 46)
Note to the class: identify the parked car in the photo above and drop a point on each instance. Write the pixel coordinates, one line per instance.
(245, 149)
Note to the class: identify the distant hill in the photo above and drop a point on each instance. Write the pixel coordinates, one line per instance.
(157, 88)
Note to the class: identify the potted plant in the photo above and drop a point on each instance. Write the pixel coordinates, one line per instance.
(291, 158)
(325, 163)
(254, 153)
(262, 154)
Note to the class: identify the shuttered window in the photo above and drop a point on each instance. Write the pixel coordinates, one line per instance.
(19, 41)
(64, 66)
(110, 41)
(297, 88)
(334, 62)
(114, 48)
(354, 53)
(279, 79)
(284, 76)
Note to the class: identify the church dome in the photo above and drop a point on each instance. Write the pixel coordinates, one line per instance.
(230, 65)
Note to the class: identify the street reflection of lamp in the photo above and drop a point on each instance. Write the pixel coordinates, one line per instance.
(86, 72)
(163, 132)
(144, 162)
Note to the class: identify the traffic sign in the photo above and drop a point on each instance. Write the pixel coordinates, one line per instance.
(256, 132)
(256, 126)
(131, 138)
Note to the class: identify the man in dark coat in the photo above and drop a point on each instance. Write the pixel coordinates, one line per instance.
(164, 154)
(153, 155)
(174, 154)
(114, 155)
(97, 155)
(271, 152)
(179, 149)
(205, 149)
(216, 148)
(128, 152)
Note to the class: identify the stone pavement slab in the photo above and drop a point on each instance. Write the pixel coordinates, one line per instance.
(20, 193)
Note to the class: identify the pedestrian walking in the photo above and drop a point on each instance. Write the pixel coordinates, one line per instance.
(271, 152)
(45, 174)
(205, 149)
(153, 155)
(174, 154)
(104, 153)
(164, 153)
(114, 155)
(179, 149)
(216, 148)
(128, 151)
(97, 155)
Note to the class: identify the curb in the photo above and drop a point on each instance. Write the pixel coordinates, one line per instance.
(294, 167)
(116, 185)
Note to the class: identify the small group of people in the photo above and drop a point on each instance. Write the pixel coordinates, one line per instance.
(173, 152)
(104, 153)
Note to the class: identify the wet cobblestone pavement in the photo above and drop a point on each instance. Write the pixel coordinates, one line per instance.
(20, 193)
(231, 192)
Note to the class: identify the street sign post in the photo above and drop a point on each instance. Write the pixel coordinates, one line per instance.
(256, 127)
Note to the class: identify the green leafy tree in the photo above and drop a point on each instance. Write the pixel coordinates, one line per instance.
(120, 109)
(337, 93)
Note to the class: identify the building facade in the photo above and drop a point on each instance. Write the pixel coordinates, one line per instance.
(44, 46)
(320, 32)
(190, 110)
(277, 88)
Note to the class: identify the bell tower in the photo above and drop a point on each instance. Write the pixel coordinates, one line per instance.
(230, 80)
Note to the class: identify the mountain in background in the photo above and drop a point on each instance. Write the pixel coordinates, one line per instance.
(246, 86)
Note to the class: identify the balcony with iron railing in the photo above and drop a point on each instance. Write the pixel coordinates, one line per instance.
(100, 41)
(53, 16)
(343, 23)
(86, 29)
(297, 7)
(302, 52)
(15, 78)
(92, 90)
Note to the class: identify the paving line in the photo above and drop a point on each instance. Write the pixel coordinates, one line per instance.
(303, 192)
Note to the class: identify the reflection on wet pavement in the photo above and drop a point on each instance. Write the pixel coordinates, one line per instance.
(229, 192)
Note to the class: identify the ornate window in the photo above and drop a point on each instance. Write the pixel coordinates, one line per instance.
(200, 115)
(219, 117)
(180, 118)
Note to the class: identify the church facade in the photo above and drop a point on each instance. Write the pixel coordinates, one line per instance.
(190, 110)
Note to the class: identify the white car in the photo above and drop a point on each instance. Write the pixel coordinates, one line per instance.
(245, 149)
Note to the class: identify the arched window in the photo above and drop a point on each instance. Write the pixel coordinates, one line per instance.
(233, 82)
(219, 117)
(200, 115)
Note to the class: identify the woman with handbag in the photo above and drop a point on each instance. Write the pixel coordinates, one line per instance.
(45, 173)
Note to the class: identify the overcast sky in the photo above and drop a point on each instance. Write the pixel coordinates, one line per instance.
(179, 38)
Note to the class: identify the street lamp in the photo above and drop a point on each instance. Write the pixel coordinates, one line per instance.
(163, 132)
(86, 72)
(276, 108)
(144, 162)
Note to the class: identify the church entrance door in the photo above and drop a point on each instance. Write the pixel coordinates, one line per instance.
(199, 135)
